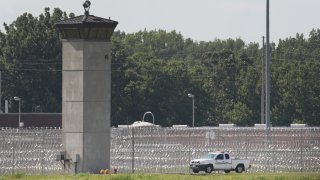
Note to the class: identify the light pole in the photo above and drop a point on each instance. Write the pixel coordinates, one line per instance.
(19, 99)
(192, 96)
(268, 85)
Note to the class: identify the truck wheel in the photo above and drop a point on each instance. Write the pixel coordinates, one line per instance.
(208, 169)
(226, 171)
(239, 169)
(195, 171)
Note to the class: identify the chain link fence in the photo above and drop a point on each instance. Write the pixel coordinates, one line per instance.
(168, 150)
(30, 150)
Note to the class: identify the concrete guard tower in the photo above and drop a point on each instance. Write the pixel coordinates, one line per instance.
(86, 91)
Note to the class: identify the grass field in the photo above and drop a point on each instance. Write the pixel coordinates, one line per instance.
(231, 176)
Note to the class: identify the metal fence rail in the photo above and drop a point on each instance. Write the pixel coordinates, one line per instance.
(168, 150)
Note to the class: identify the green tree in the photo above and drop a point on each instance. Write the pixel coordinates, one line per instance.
(30, 61)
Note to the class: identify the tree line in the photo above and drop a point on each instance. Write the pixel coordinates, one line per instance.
(155, 70)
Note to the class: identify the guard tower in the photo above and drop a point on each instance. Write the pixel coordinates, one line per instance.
(86, 90)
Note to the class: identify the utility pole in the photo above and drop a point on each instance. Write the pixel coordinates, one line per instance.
(268, 71)
(262, 81)
(0, 93)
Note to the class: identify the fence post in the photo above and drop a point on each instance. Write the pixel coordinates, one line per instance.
(274, 151)
(13, 158)
(246, 144)
(301, 163)
(132, 150)
(42, 152)
(161, 133)
(189, 144)
(219, 144)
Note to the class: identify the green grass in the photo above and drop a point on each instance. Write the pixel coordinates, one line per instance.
(218, 176)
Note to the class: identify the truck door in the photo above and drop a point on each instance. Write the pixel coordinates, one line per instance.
(219, 162)
(223, 162)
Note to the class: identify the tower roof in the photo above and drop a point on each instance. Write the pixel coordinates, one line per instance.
(86, 21)
(86, 27)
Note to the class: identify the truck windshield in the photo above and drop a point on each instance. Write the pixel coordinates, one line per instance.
(210, 156)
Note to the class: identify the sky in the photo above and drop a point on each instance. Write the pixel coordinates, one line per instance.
(200, 20)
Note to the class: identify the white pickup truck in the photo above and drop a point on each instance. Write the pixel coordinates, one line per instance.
(216, 161)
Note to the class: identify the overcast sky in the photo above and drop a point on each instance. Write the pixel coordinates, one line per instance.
(201, 20)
